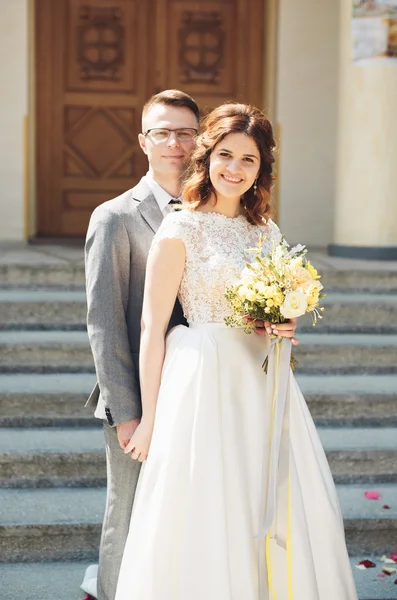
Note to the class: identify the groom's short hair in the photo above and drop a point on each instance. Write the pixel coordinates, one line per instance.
(173, 98)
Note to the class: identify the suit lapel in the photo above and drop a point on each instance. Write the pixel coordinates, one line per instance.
(151, 212)
(148, 206)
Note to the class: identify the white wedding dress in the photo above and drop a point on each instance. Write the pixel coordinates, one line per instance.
(199, 504)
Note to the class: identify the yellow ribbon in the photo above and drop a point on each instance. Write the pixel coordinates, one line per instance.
(289, 546)
(274, 400)
(278, 406)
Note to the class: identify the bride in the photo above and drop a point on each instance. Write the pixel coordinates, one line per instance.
(199, 508)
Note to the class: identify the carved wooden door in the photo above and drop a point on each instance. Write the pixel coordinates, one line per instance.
(98, 61)
(212, 49)
(93, 78)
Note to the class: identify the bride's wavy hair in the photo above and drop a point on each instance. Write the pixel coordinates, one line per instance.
(232, 117)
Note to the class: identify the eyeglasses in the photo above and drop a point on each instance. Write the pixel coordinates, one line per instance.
(158, 135)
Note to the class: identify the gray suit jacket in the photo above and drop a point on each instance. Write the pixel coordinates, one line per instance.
(117, 245)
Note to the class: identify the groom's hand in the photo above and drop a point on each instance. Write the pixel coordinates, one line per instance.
(125, 431)
(286, 329)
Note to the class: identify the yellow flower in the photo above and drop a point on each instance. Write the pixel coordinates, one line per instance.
(312, 291)
(270, 291)
(270, 303)
(312, 300)
(278, 298)
(313, 272)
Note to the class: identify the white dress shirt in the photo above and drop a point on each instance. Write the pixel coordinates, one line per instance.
(162, 197)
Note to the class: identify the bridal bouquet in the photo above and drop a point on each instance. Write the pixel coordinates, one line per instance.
(274, 287)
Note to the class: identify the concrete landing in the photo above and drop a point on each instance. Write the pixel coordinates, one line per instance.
(61, 581)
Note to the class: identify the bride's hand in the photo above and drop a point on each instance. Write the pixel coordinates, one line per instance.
(139, 444)
(286, 329)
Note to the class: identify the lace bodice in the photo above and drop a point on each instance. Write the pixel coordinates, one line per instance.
(215, 256)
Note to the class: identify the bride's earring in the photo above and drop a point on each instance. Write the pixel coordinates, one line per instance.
(255, 186)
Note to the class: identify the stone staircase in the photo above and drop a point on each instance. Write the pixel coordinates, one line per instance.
(52, 473)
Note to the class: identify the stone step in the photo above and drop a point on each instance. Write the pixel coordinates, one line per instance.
(383, 281)
(45, 410)
(60, 275)
(51, 524)
(64, 309)
(355, 313)
(53, 271)
(346, 353)
(35, 400)
(52, 457)
(43, 581)
(59, 457)
(64, 524)
(361, 455)
(43, 309)
(351, 400)
(69, 352)
(62, 580)
(28, 400)
(45, 352)
(369, 527)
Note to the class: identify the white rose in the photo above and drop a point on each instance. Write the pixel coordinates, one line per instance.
(247, 272)
(246, 281)
(260, 287)
(242, 292)
(295, 305)
(251, 295)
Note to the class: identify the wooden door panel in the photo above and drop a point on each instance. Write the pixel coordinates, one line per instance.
(99, 81)
(102, 50)
(100, 144)
(212, 49)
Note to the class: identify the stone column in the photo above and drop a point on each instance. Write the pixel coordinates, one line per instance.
(366, 196)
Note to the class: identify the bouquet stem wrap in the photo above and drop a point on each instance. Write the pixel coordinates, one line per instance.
(276, 480)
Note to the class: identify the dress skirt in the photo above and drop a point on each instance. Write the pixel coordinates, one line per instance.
(200, 500)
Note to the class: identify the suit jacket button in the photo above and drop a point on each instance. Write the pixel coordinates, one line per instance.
(109, 416)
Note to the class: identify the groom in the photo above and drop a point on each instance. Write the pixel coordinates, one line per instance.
(118, 240)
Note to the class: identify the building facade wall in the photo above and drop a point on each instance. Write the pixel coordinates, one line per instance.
(14, 107)
(306, 109)
(307, 97)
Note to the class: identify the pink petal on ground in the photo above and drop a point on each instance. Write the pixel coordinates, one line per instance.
(366, 564)
(386, 506)
(381, 575)
(372, 495)
(393, 557)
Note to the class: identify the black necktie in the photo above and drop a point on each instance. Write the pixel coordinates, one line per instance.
(174, 201)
